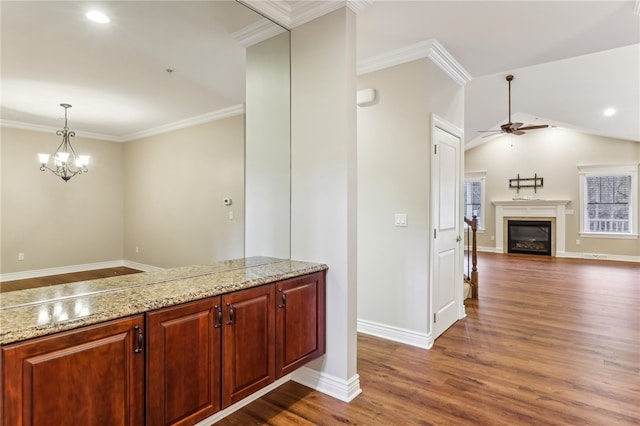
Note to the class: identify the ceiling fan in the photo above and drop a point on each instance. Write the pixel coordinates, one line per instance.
(513, 128)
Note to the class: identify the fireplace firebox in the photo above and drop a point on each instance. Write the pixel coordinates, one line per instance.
(529, 237)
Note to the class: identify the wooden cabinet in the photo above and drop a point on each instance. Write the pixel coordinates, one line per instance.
(90, 376)
(183, 363)
(300, 319)
(248, 342)
(195, 359)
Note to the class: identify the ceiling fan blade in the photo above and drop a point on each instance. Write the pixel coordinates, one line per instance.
(518, 132)
(541, 126)
(492, 135)
(516, 126)
(492, 131)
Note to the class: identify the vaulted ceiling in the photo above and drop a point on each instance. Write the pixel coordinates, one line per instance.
(571, 59)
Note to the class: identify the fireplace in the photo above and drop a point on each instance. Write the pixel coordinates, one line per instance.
(529, 237)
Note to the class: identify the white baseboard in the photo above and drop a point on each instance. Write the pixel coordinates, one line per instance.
(141, 266)
(578, 255)
(248, 400)
(344, 390)
(12, 276)
(599, 256)
(400, 335)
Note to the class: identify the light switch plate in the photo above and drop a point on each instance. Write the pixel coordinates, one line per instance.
(401, 219)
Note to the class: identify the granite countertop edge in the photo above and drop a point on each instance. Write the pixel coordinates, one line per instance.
(18, 323)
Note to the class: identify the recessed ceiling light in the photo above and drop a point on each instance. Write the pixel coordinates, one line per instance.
(98, 17)
(609, 112)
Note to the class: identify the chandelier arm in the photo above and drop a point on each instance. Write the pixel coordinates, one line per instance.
(69, 164)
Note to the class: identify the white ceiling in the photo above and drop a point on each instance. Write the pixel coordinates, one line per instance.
(115, 76)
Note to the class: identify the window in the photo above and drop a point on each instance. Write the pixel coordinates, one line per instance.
(474, 196)
(609, 200)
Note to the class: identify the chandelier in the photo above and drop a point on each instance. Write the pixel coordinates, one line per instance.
(66, 163)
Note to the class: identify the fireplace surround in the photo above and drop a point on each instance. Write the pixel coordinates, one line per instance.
(552, 210)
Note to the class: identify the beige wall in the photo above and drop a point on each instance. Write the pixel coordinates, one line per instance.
(394, 177)
(268, 149)
(163, 194)
(323, 181)
(56, 223)
(174, 190)
(553, 154)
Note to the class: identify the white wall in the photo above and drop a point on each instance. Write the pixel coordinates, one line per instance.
(323, 209)
(394, 177)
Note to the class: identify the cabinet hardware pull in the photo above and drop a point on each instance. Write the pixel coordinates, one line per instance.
(284, 300)
(218, 323)
(232, 314)
(140, 339)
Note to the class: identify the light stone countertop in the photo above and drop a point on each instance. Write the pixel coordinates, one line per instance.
(35, 312)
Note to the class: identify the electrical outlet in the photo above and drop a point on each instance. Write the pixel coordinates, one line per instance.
(577, 242)
(137, 249)
(493, 238)
(20, 256)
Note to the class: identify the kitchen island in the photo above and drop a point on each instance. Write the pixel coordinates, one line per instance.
(166, 347)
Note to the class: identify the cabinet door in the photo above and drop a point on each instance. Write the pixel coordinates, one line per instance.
(248, 342)
(183, 363)
(89, 376)
(300, 319)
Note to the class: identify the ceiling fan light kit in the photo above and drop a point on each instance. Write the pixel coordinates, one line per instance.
(513, 128)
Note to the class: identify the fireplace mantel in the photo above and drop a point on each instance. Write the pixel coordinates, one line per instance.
(531, 209)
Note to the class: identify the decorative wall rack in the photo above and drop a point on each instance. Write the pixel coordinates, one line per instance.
(535, 182)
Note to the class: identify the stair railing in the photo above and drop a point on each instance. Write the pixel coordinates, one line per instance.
(471, 253)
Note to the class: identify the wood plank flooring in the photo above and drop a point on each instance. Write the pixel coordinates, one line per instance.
(549, 341)
(64, 278)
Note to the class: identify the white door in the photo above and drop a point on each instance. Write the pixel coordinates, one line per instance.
(446, 276)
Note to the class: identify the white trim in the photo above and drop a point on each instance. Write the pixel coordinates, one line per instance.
(585, 170)
(12, 276)
(480, 176)
(602, 256)
(531, 208)
(141, 266)
(576, 255)
(188, 122)
(294, 14)
(246, 401)
(613, 236)
(430, 49)
(344, 390)
(50, 129)
(439, 123)
(255, 33)
(396, 334)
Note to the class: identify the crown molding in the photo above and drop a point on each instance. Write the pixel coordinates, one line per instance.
(430, 49)
(199, 119)
(50, 129)
(257, 32)
(295, 13)
(278, 11)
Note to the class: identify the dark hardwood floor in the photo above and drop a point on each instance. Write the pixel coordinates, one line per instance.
(64, 278)
(548, 342)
